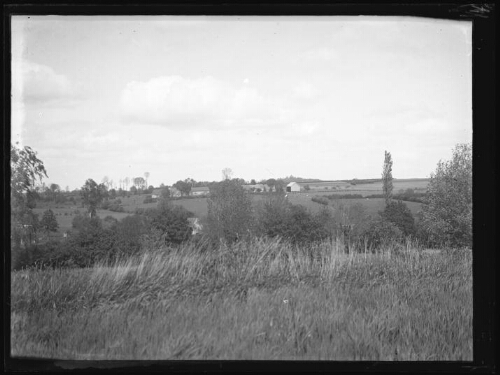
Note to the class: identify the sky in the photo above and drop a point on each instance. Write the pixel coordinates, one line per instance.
(268, 97)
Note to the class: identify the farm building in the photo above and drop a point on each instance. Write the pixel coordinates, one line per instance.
(199, 191)
(292, 187)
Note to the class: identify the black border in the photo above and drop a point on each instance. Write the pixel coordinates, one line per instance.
(483, 16)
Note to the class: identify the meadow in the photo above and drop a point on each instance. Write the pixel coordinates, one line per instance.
(199, 207)
(262, 299)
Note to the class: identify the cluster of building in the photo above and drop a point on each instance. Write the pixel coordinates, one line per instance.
(204, 191)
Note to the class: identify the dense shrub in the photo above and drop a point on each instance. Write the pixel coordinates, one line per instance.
(400, 215)
(303, 227)
(293, 223)
(128, 236)
(381, 233)
(49, 221)
(148, 199)
(447, 212)
(407, 196)
(320, 200)
(343, 196)
(230, 215)
(80, 220)
(169, 221)
(39, 255)
(272, 216)
(112, 205)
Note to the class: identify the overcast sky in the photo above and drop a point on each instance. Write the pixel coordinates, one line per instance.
(178, 97)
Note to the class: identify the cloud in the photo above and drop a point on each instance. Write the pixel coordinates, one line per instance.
(429, 126)
(305, 90)
(40, 83)
(177, 102)
(322, 54)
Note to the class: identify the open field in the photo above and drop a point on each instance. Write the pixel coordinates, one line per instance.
(198, 206)
(66, 213)
(262, 300)
(371, 205)
(417, 184)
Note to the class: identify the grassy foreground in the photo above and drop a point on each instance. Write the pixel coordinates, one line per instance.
(263, 300)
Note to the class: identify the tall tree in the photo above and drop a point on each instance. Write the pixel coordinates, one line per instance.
(230, 215)
(387, 178)
(139, 182)
(26, 170)
(271, 183)
(447, 212)
(49, 221)
(92, 195)
(54, 191)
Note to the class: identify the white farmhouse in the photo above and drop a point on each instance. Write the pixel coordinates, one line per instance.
(292, 187)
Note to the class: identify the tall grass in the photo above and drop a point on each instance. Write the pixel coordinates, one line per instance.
(263, 299)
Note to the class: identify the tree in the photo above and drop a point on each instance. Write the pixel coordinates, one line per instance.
(387, 177)
(183, 186)
(447, 210)
(126, 181)
(227, 174)
(26, 170)
(400, 215)
(54, 190)
(49, 221)
(165, 193)
(280, 185)
(169, 222)
(252, 182)
(271, 183)
(92, 195)
(273, 216)
(229, 212)
(139, 183)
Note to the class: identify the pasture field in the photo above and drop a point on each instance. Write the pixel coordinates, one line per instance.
(66, 213)
(258, 300)
(418, 185)
(371, 205)
(199, 207)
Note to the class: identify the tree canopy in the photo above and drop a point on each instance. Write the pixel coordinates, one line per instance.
(387, 177)
(229, 211)
(26, 170)
(447, 212)
(92, 195)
